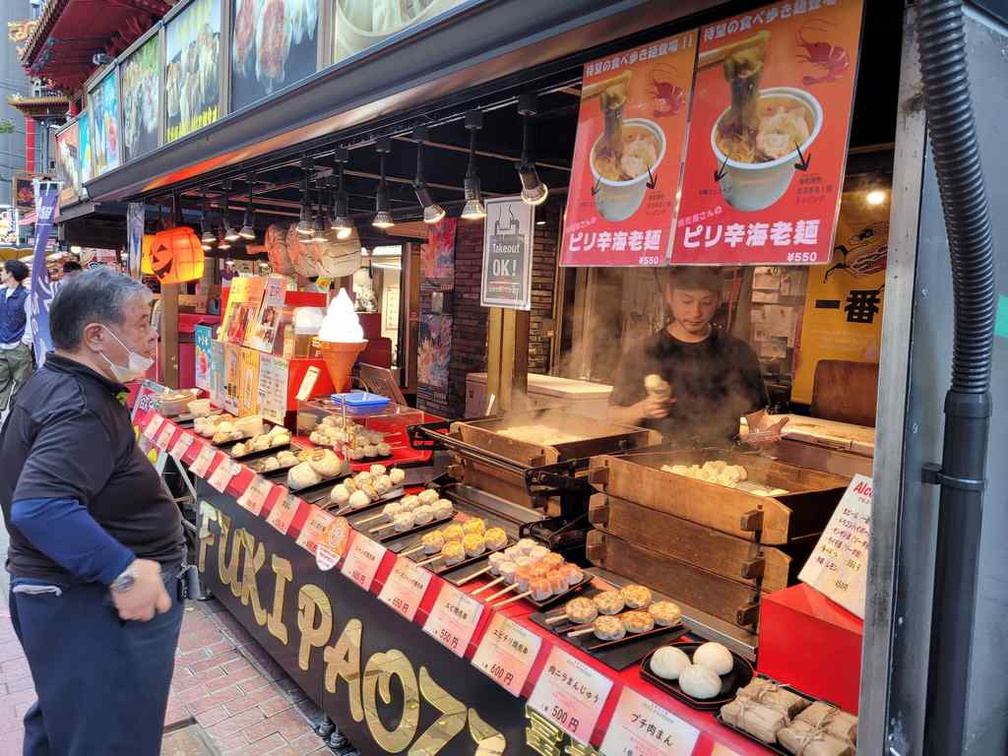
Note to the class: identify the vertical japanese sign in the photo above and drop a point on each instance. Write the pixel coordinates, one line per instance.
(84, 148)
(42, 289)
(628, 154)
(134, 237)
(192, 72)
(273, 387)
(508, 239)
(768, 135)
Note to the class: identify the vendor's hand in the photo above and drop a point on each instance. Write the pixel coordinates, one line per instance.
(147, 597)
(767, 432)
(654, 409)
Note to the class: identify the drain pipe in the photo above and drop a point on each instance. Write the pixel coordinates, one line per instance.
(941, 45)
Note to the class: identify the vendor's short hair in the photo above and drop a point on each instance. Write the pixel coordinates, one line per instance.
(94, 296)
(696, 277)
(17, 269)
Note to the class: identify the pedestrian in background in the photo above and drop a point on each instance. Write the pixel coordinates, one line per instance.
(96, 543)
(15, 330)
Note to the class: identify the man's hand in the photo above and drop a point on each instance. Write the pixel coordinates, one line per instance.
(147, 597)
(766, 431)
(653, 409)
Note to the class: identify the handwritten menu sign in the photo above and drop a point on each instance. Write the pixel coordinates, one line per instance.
(203, 461)
(283, 511)
(641, 727)
(570, 694)
(506, 653)
(165, 435)
(453, 619)
(314, 531)
(272, 388)
(768, 135)
(838, 565)
(255, 495)
(362, 562)
(405, 587)
(222, 476)
(181, 445)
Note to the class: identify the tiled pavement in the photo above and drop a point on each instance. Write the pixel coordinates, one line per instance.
(223, 680)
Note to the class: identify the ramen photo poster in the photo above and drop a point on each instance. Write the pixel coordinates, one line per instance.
(768, 135)
(627, 155)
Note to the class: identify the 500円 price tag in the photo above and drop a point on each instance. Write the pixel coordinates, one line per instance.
(223, 475)
(643, 728)
(506, 653)
(282, 514)
(255, 495)
(453, 619)
(570, 694)
(362, 562)
(405, 587)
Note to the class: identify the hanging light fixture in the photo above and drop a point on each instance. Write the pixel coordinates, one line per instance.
(473, 208)
(383, 213)
(208, 239)
(248, 225)
(229, 232)
(432, 211)
(341, 224)
(319, 226)
(534, 191)
(304, 226)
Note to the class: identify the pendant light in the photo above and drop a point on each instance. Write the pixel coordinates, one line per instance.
(229, 232)
(304, 226)
(383, 213)
(473, 208)
(341, 224)
(319, 226)
(432, 211)
(222, 240)
(248, 226)
(534, 191)
(208, 239)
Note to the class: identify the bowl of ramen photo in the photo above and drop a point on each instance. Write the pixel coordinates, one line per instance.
(363, 23)
(757, 161)
(622, 172)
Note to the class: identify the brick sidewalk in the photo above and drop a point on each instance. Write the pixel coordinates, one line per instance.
(223, 680)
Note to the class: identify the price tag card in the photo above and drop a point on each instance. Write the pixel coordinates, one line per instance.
(181, 445)
(222, 476)
(203, 461)
(570, 694)
(314, 531)
(282, 514)
(153, 425)
(255, 495)
(453, 619)
(640, 727)
(506, 653)
(362, 562)
(405, 587)
(164, 436)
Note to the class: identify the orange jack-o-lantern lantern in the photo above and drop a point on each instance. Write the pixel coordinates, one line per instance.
(177, 255)
(145, 251)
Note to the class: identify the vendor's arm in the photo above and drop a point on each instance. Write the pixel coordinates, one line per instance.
(629, 402)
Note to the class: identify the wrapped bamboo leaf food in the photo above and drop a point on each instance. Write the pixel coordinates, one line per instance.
(769, 693)
(758, 720)
(832, 719)
(801, 739)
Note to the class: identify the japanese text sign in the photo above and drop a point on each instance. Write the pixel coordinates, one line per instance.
(508, 239)
(838, 567)
(570, 694)
(627, 155)
(640, 727)
(221, 477)
(405, 587)
(314, 531)
(768, 138)
(256, 494)
(203, 461)
(165, 435)
(453, 619)
(283, 511)
(152, 426)
(181, 445)
(362, 561)
(506, 653)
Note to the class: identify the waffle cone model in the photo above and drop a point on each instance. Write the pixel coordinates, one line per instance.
(339, 358)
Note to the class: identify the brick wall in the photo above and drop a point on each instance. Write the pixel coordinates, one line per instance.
(544, 264)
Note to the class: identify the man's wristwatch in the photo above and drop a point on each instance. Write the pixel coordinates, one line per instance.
(125, 581)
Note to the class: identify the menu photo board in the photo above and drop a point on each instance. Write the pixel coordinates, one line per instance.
(103, 112)
(192, 68)
(84, 146)
(68, 163)
(768, 135)
(361, 24)
(273, 44)
(627, 155)
(508, 240)
(141, 99)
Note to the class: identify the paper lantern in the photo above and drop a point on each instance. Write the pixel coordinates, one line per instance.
(145, 264)
(177, 255)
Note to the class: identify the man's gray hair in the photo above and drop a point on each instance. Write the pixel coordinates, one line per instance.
(95, 296)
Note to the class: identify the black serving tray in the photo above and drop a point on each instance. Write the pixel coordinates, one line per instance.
(740, 676)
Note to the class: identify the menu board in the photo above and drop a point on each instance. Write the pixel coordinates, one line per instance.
(217, 374)
(141, 93)
(508, 240)
(570, 694)
(264, 323)
(768, 139)
(627, 155)
(192, 71)
(203, 346)
(360, 24)
(248, 391)
(641, 727)
(230, 386)
(273, 45)
(273, 388)
(68, 163)
(84, 147)
(103, 112)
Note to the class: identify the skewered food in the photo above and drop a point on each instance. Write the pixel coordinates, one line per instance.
(714, 657)
(609, 602)
(384, 449)
(432, 542)
(239, 450)
(523, 576)
(383, 484)
(637, 622)
(453, 532)
(507, 570)
(552, 560)
(581, 611)
(699, 682)
(392, 510)
(537, 552)
(411, 502)
(339, 495)
(495, 538)
(397, 476)
(524, 546)
(453, 552)
(442, 509)
(474, 525)
(378, 470)
(608, 628)
(557, 581)
(428, 496)
(540, 588)
(423, 514)
(572, 574)
(668, 662)
(287, 458)
(494, 562)
(404, 521)
(665, 613)
(474, 544)
(636, 596)
(358, 499)
(269, 464)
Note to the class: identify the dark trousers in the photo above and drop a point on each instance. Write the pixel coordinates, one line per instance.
(102, 684)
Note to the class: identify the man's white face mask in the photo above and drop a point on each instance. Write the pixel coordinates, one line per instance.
(136, 368)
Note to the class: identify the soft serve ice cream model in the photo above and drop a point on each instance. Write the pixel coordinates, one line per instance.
(341, 339)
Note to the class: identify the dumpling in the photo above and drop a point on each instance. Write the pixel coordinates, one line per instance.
(668, 662)
(699, 682)
(302, 476)
(714, 657)
(339, 495)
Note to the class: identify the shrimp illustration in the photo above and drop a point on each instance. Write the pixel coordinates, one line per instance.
(832, 60)
(669, 98)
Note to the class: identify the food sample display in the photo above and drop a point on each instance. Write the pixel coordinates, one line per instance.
(316, 466)
(283, 460)
(276, 437)
(366, 488)
(668, 662)
(334, 431)
(207, 425)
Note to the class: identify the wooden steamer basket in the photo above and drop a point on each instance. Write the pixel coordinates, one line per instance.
(714, 548)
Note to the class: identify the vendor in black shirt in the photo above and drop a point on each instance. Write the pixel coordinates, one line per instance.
(691, 381)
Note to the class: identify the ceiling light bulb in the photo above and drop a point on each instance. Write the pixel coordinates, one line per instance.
(875, 197)
(224, 244)
(206, 246)
(434, 214)
(383, 214)
(208, 238)
(231, 235)
(473, 208)
(247, 233)
(383, 219)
